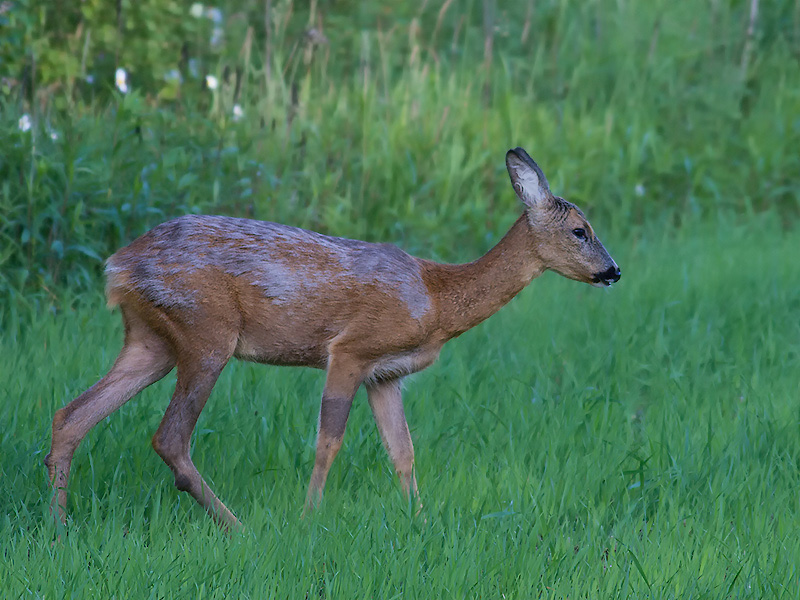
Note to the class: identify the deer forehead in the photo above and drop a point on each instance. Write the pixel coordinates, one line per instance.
(562, 211)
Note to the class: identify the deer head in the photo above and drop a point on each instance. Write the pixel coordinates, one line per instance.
(564, 239)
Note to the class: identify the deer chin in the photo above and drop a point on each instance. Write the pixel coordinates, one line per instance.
(601, 284)
(593, 281)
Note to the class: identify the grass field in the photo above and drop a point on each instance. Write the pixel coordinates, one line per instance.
(583, 443)
(642, 441)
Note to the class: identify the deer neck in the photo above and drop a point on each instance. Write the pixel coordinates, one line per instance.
(471, 293)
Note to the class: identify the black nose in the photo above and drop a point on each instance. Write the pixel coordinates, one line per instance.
(610, 275)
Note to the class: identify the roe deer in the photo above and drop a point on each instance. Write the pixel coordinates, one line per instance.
(198, 290)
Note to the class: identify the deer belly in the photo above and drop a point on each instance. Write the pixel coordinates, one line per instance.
(283, 341)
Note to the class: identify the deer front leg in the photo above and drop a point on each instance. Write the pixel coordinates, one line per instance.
(386, 401)
(343, 378)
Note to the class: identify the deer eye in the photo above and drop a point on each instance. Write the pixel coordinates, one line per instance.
(579, 233)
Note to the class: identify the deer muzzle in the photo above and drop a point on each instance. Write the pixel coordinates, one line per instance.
(607, 277)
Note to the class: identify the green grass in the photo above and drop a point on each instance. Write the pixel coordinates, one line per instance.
(583, 443)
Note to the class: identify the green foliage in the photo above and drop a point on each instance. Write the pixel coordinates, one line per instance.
(382, 123)
(625, 443)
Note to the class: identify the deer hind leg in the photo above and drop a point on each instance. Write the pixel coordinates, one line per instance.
(342, 381)
(386, 402)
(196, 378)
(144, 359)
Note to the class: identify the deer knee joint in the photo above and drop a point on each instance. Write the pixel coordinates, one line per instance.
(163, 448)
(64, 441)
(183, 482)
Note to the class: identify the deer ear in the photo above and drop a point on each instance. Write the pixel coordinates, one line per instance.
(527, 178)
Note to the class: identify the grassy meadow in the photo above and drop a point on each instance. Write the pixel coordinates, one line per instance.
(633, 442)
(637, 442)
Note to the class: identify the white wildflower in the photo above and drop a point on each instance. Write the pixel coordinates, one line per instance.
(121, 80)
(214, 14)
(212, 82)
(238, 113)
(196, 10)
(53, 135)
(639, 190)
(25, 122)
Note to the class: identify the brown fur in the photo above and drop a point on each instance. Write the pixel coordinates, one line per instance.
(196, 291)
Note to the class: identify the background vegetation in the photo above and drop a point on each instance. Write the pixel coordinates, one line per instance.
(637, 443)
(382, 122)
